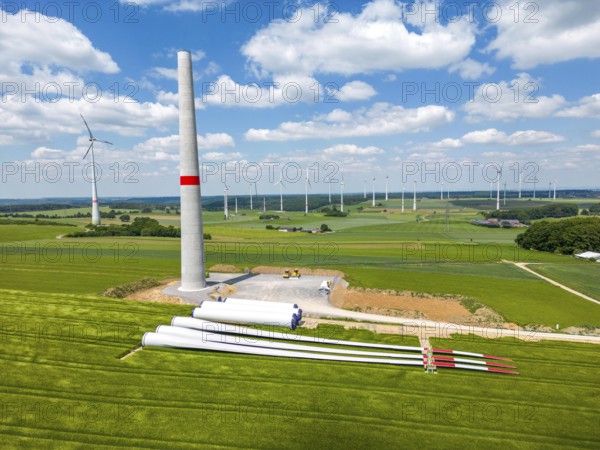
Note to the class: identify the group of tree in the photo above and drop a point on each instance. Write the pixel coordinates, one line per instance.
(556, 211)
(141, 226)
(567, 236)
(333, 212)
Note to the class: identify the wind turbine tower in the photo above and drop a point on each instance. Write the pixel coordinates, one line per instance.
(386, 188)
(415, 195)
(498, 190)
(95, 207)
(192, 236)
(280, 183)
(521, 184)
(306, 186)
(225, 202)
(365, 189)
(342, 194)
(373, 192)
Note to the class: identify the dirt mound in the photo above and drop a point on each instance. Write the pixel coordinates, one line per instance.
(156, 295)
(412, 305)
(303, 271)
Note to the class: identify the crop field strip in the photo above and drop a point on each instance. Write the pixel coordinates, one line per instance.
(181, 372)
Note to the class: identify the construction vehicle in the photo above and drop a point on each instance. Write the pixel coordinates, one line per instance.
(292, 274)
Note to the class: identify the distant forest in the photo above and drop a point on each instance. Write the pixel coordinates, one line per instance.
(567, 236)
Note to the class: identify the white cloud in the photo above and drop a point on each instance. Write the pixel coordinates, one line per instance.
(172, 98)
(351, 149)
(528, 137)
(164, 72)
(354, 91)
(596, 133)
(381, 119)
(492, 136)
(180, 5)
(512, 100)
(376, 39)
(470, 69)
(587, 107)
(548, 32)
(167, 147)
(220, 156)
(283, 90)
(35, 122)
(390, 78)
(48, 42)
(47, 153)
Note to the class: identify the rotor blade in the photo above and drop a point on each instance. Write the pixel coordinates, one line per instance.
(106, 142)
(87, 126)
(88, 150)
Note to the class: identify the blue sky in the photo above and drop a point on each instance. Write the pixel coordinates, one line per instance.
(433, 92)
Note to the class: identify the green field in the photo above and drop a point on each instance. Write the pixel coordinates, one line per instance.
(423, 251)
(65, 386)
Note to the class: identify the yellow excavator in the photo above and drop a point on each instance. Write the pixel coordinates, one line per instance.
(292, 274)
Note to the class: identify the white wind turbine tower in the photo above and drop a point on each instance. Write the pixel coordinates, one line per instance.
(329, 184)
(306, 186)
(236, 208)
(498, 190)
(252, 185)
(373, 192)
(365, 189)
(415, 195)
(225, 201)
(386, 188)
(281, 186)
(549, 190)
(521, 183)
(442, 192)
(342, 194)
(504, 194)
(95, 207)
(555, 181)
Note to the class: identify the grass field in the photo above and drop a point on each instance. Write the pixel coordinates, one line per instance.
(65, 386)
(419, 251)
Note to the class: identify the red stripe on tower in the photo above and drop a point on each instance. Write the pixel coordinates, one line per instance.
(190, 181)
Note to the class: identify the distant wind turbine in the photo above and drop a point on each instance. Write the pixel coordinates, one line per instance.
(373, 192)
(95, 207)
(415, 195)
(342, 194)
(252, 185)
(386, 188)
(442, 192)
(521, 183)
(306, 186)
(365, 188)
(236, 206)
(225, 201)
(498, 190)
(281, 186)
(555, 189)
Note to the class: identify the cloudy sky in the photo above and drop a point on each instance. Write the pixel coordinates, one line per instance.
(433, 92)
